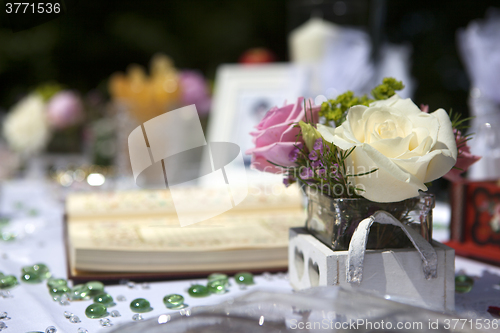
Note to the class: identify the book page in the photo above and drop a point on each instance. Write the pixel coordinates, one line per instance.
(228, 231)
(159, 202)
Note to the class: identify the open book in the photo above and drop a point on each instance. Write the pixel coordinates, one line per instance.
(134, 233)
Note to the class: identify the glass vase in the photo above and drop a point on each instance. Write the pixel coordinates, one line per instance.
(334, 220)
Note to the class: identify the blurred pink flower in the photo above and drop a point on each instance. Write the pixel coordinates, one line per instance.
(194, 90)
(64, 109)
(464, 159)
(276, 136)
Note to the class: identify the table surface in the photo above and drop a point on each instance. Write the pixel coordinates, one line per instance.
(37, 208)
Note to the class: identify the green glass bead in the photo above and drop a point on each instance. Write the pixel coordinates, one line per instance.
(35, 274)
(174, 301)
(79, 292)
(217, 276)
(105, 299)
(463, 283)
(96, 310)
(94, 288)
(42, 270)
(217, 287)
(244, 278)
(2, 274)
(8, 281)
(31, 278)
(54, 283)
(140, 305)
(198, 290)
(59, 290)
(7, 236)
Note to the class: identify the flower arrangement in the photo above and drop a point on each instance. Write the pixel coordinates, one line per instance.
(385, 148)
(29, 126)
(165, 88)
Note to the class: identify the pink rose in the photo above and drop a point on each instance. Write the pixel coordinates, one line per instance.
(276, 135)
(64, 109)
(464, 159)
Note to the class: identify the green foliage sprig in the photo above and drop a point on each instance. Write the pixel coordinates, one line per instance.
(336, 109)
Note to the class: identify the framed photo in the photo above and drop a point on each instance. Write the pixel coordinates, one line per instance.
(475, 227)
(243, 95)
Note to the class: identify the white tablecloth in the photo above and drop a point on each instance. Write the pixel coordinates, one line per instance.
(37, 211)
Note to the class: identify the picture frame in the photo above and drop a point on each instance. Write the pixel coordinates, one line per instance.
(244, 93)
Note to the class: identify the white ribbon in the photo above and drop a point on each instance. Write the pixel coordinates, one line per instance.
(357, 247)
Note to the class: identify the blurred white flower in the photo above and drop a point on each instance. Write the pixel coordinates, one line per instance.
(25, 127)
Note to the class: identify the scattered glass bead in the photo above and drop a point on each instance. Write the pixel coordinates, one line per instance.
(35, 274)
(115, 313)
(68, 315)
(185, 312)
(5, 294)
(198, 290)
(145, 286)
(79, 292)
(75, 320)
(217, 287)
(8, 281)
(218, 276)
(105, 322)
(131, 284)
(268, 276)
(244, 278)
(174, 301)
(163, 319)
(121, 298)
(64, 302)
(137, 317)
(105, 299)
(463, 283)
(3, 315)
(42, 270)
(54, 283)
(94, 288)
(51, 329)
(8, 236)
(60, 290)
(82, 330)
(96, 310)
(2, 325)
(282, 275)
(140, 305)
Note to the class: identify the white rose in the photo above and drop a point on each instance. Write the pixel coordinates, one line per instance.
(26, 128)
(408, 147)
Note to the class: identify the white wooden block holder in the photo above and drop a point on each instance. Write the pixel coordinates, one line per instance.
(395, 272)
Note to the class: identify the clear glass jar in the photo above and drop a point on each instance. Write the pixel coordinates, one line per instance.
(334, 220)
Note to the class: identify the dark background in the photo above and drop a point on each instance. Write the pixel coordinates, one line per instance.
(81, 48)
